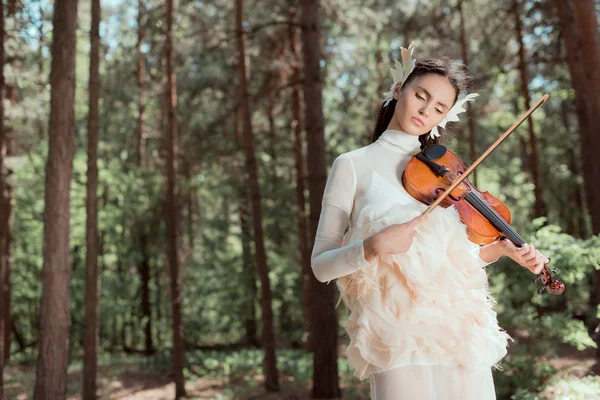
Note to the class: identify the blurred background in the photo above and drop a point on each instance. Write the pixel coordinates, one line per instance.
(157, 219)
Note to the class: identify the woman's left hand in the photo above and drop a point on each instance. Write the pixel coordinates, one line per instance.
(526, 256)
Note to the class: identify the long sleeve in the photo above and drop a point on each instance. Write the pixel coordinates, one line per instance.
(329, 260)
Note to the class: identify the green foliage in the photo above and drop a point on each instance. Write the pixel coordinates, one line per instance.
(219, 292)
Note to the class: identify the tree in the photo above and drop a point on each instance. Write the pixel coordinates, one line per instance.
(3, 231)
(579, 29)
(464, 48)
(539, 207)
(271, 381)
(55, 321)
(296, 125)
(144, 266)
(324, 320)
(172, 204)
(90, 339)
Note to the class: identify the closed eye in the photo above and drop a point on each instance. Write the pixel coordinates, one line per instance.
(419, 96)
(439, 111)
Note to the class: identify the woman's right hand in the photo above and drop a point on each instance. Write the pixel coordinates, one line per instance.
(394, 239)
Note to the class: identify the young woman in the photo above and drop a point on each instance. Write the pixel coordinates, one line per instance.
(422, 324)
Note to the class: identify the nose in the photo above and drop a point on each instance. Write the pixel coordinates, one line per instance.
(423, 111)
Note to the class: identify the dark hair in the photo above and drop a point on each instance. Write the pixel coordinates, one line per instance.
(456, 73)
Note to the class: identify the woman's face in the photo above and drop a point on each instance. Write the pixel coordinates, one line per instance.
(422, 104)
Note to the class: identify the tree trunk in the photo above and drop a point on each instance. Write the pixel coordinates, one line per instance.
(90, 339)
(140, 77)
(464, 46)
(6, 254)
(303, 245)
(540, 206)
(55, 321)
(248, 268)
(144, 266)
(324, 318)
(589, 46)
(250, 325)
(173, 210)
(579, 32)
(271, 380)
(3, 231)
(577, 209)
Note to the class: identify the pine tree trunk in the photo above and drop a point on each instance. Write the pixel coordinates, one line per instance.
(250, 325)
(248, 268)
(140, 77)
(579, 33)
(589, 45)
(539, 206)
(271, 378)
(55, 321)
(90, 339)
(464, 47)
(173, 210)
(324, 318)
(144, 267)
(6, 254)
(303, 246)
(3, 216)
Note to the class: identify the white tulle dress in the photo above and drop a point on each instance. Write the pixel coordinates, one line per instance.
(421, 324)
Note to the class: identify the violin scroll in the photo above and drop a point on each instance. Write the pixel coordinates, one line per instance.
(555, 287)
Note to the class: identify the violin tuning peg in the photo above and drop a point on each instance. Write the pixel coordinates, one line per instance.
(554, 270)
(541, 289)
(536, 279)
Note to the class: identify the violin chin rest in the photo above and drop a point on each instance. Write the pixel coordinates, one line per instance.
(434, 151)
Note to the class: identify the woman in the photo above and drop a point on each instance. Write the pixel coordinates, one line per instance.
(422, 324)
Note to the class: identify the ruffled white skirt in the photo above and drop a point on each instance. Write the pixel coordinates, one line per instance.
(423, 318)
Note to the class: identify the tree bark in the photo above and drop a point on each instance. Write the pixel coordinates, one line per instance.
(55, 321)
(173, 210)
(271, 379)
(589, 47)
(140, 77)
(144, 266)
(296, 125)
(3, 231)
(539, 206)
(90, 339)
(464, 46)
(579, 33)
(324, 318)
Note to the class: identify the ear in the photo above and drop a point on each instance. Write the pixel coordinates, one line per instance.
(397, 90)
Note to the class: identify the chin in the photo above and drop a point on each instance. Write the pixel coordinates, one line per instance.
(414, 130)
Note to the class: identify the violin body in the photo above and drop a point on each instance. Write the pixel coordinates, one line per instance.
(430, 173)
(422, 184)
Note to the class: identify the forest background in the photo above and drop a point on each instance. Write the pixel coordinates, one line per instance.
(162, 166)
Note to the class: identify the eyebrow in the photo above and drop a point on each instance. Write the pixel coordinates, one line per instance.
(429, 95)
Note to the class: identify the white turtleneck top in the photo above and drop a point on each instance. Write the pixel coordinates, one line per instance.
(371, 175)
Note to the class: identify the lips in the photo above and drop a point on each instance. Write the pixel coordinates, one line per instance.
(418, 121)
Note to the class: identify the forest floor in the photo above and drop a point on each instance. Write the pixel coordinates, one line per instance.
(133, 378)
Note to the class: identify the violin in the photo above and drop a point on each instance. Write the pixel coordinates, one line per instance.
(436, 175)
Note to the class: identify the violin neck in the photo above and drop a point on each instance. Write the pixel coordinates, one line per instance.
(495, 219)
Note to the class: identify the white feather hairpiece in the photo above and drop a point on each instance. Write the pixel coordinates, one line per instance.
(401, 72)
(452, 115)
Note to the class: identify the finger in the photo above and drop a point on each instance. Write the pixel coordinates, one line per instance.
(530, 253)
(532, 261)
(538, 268)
